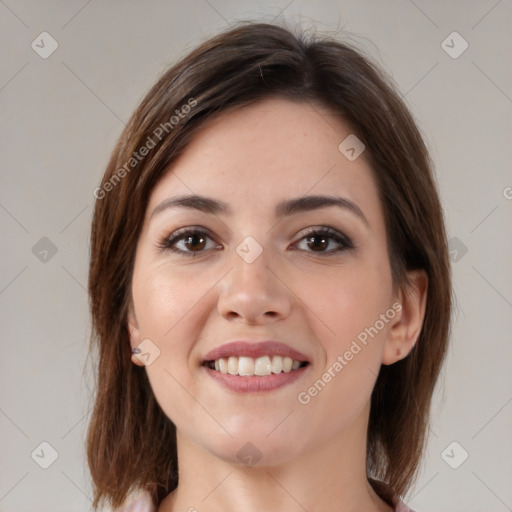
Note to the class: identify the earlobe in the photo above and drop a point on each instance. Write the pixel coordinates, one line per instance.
(407, 325)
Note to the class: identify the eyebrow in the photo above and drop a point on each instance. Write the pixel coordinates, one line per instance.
(284, 208)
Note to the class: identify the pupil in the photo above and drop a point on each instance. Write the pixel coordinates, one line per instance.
(323, 244)
(193, 237)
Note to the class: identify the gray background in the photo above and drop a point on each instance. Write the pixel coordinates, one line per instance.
(61, 117)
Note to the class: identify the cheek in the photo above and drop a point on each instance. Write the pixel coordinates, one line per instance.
(163, 297)
(166, 302)
(348, 322)
(345, 301)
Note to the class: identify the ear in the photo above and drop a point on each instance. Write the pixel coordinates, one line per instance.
(134, 333)
(407, 324)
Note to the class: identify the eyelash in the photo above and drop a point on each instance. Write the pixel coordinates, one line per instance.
(167, 244)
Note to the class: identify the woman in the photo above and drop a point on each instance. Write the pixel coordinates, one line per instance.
(269, 285)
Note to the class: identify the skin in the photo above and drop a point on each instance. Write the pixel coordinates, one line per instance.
(313, 455)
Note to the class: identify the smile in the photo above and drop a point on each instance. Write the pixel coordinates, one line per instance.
(255, 375)
(250, 367)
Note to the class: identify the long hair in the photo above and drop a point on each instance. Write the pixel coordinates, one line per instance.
(131, 444)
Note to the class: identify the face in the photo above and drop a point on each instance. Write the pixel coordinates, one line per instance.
(316, 280)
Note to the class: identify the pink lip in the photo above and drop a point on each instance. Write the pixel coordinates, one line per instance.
(256, 383)
(247, 349)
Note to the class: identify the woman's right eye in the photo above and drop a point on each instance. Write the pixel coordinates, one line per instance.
(189, 238)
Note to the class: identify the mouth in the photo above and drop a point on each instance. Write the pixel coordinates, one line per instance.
(245, 367)
(262, 366)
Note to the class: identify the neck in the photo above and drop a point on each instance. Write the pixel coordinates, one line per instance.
(328, 476)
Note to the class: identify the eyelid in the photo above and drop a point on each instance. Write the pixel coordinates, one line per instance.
(328, 231)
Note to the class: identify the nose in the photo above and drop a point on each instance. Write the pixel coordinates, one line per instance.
(253, 293)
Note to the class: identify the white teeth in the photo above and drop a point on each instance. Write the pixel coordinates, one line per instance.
(223, 364)
(233, 365)
(287, 364)
(245, 366)
(277, 364)
(260, 366)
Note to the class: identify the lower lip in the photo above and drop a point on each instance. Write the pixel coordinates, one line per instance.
(256, 383)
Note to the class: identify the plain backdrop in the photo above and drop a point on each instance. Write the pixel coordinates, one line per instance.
(61, 116)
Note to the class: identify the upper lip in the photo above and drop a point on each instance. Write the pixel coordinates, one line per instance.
(254, 350)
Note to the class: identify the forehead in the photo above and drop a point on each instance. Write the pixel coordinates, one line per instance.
(268, 151)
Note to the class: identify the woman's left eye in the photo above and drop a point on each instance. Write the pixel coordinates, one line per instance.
(315, 239)
(321, 238)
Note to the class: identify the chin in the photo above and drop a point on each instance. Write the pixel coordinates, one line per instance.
(254, 448)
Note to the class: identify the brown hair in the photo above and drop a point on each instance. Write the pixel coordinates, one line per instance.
(131, 443)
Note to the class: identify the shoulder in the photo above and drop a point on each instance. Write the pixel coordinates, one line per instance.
(400, 506)
(140, 503)
(388, 495)
(143, 503)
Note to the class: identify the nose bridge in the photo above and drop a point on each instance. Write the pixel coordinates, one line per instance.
(251, 290)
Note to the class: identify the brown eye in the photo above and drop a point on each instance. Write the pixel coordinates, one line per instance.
(317, 241)
(187, 242)
(194, 242)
